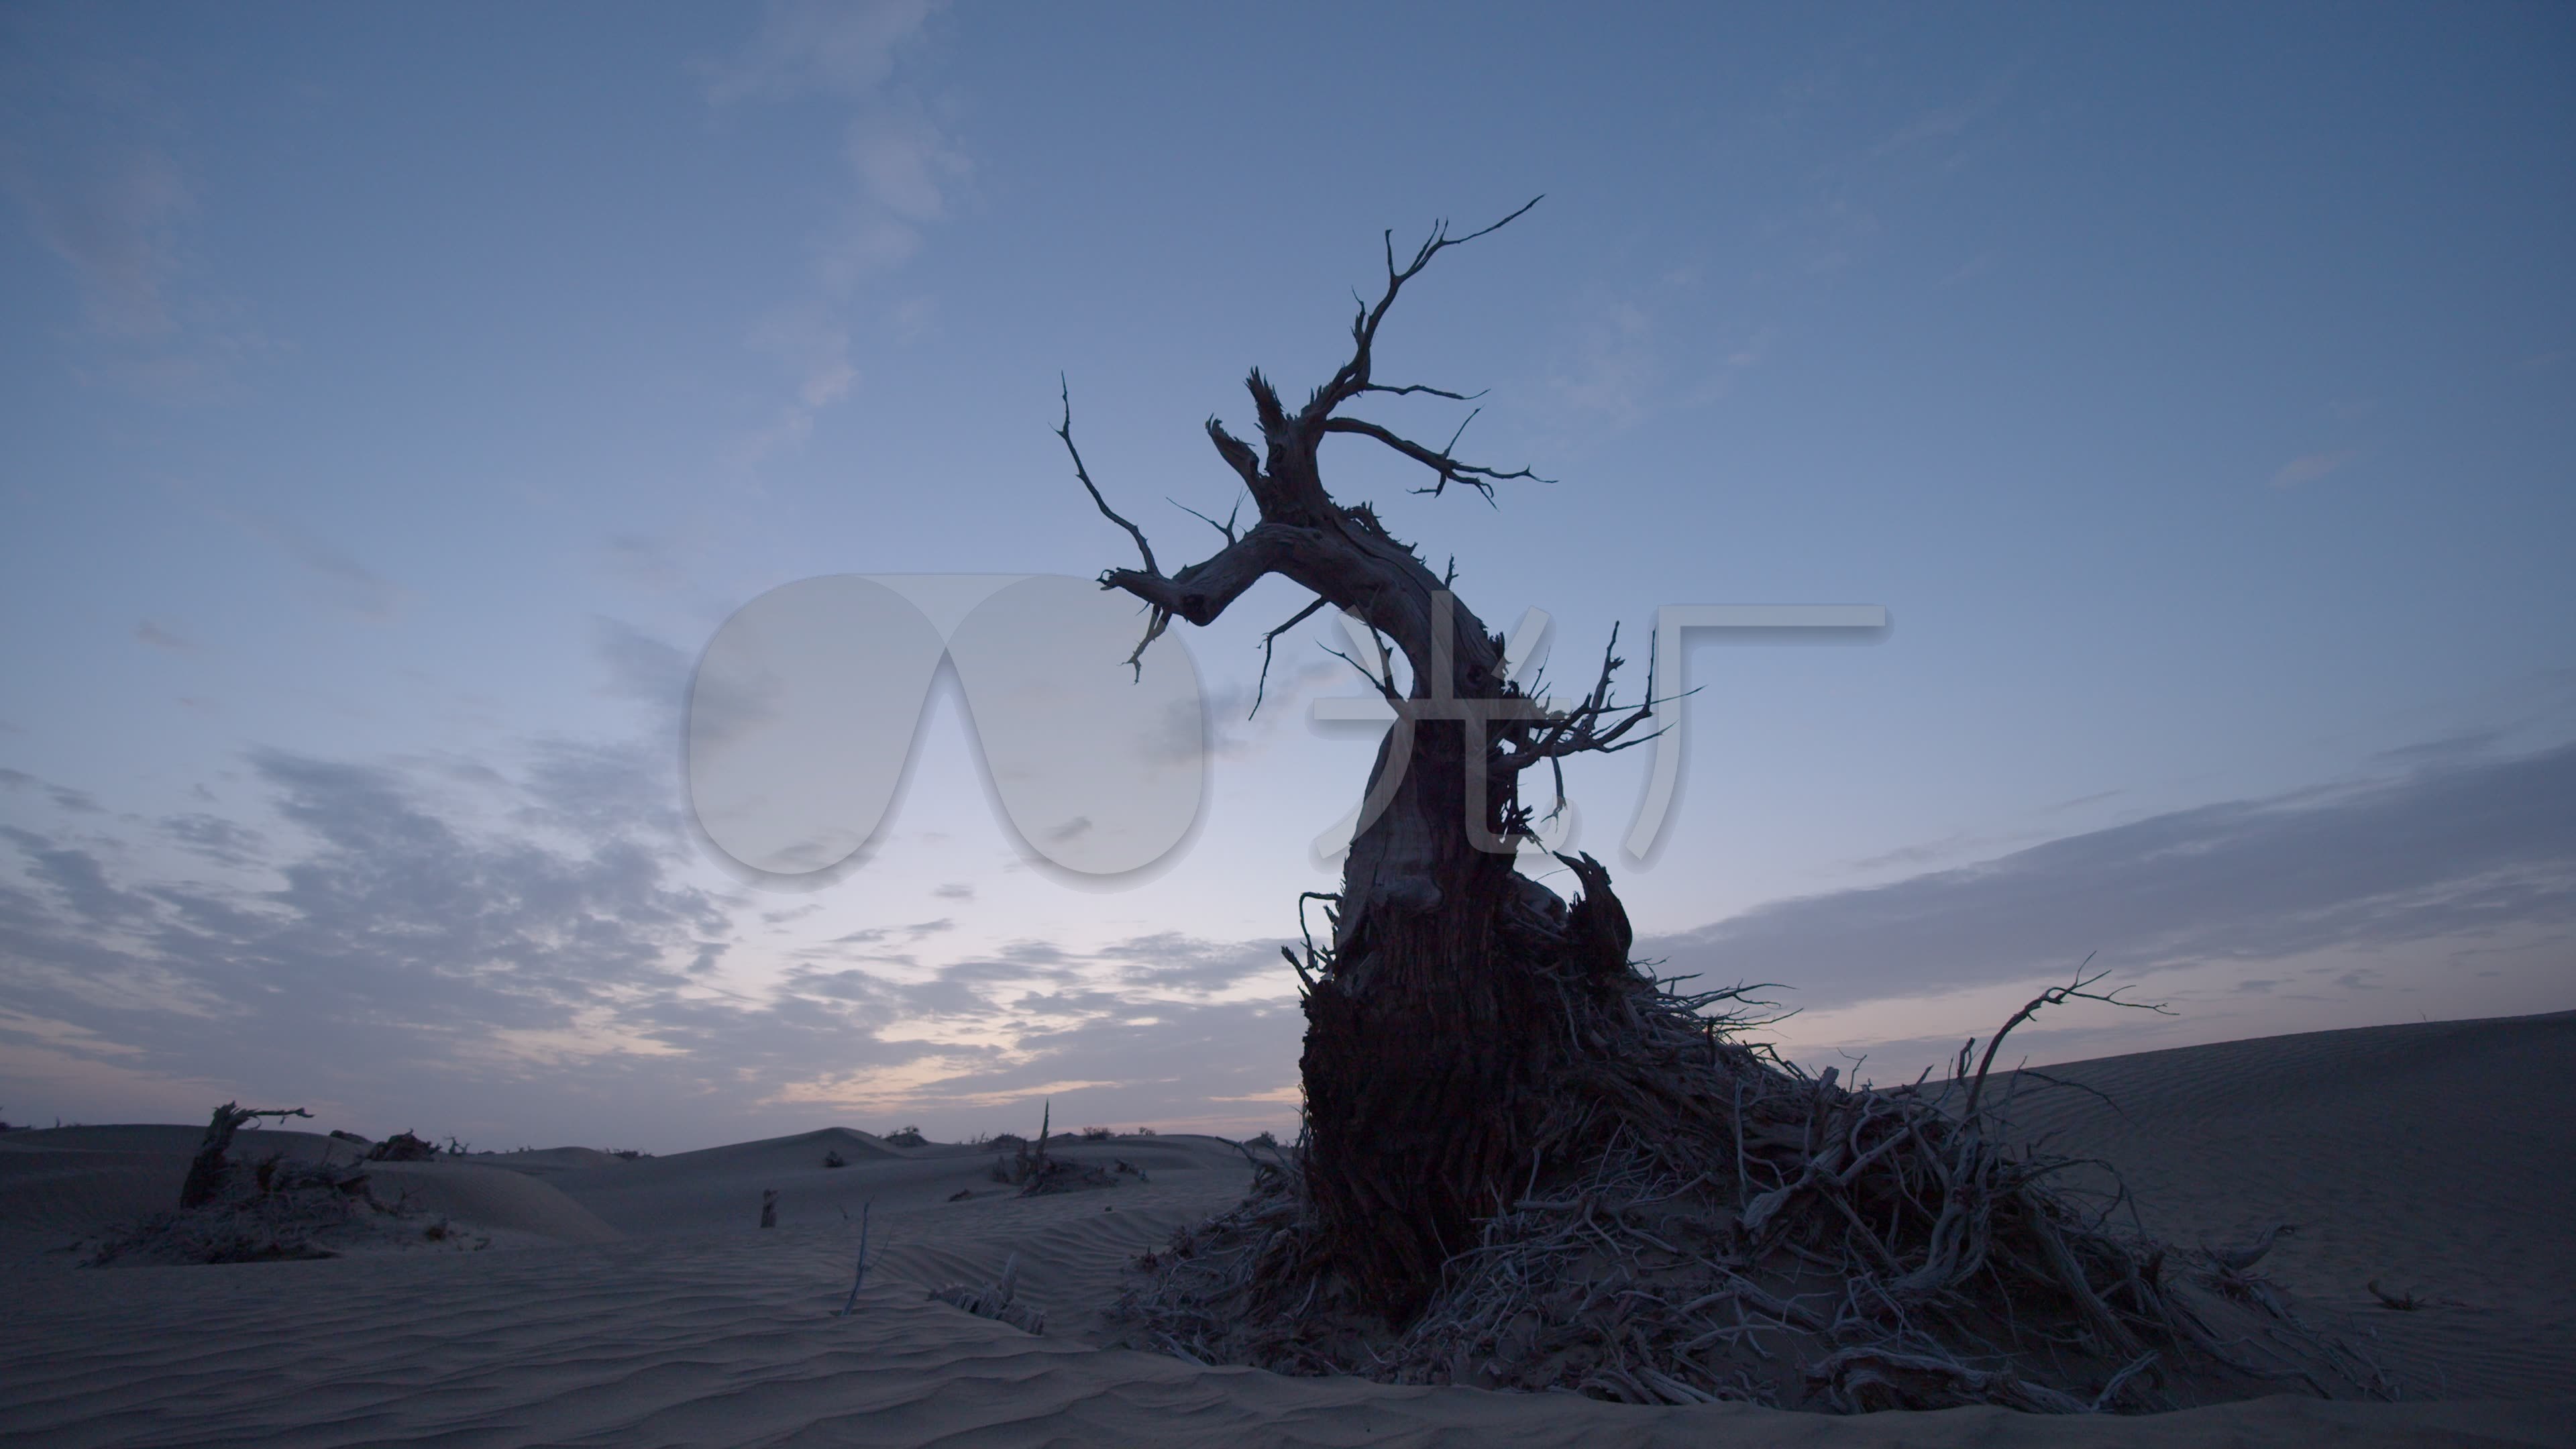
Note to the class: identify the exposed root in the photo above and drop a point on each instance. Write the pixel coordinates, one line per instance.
(1703, 1221)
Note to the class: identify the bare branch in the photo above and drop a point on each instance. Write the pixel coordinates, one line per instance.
(1451, 470)
(1226, 528)
(1353, 378)
(2053, 996)
(1581, 730)
(1382, 679)
(1272, 638)
(1414, 387)
(1064, 430)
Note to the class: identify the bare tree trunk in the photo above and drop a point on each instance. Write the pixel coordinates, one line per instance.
(1419, 1049)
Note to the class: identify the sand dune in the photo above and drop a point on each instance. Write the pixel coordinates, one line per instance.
(639, 1302)
(2435, 1159)
(75, 1183)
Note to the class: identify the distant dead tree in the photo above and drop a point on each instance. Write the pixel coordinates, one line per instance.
(206, 1170)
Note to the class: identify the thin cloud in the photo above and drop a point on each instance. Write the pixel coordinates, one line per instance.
(644, 562)
(342, 579)
(112, 214)
(390, 954)
(2461, 846)
(371, 949)
(225, 842)
(65, 798)
(1720, 384)
(803, 46)
(647, 670)
(1616, 369)
(2313, 466)
(153, 634)
(902, 171)
(90, 167)
(1168, 961)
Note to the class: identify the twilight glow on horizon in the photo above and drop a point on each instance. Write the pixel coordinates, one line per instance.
(398, 402)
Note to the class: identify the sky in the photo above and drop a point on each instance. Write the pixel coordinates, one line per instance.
(398, 403)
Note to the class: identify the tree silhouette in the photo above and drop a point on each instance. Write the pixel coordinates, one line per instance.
(1582, 1173)
(1429, 1024)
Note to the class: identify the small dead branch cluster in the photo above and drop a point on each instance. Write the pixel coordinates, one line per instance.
(405, 1147)
(1054, 1174)
(1036, 1174)
(997, 1300)
(1705, 1221)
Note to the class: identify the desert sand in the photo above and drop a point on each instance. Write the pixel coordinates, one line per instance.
(574, 1297)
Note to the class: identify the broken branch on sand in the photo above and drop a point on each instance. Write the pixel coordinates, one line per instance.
(860, 1279)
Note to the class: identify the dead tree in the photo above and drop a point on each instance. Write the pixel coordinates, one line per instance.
(1432, 1053)
(1528, 1158)
(206, 1170)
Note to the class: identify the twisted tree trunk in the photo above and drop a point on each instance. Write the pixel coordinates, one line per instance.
(1428, 1036)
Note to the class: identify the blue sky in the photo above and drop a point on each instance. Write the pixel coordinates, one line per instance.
(397, 403)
